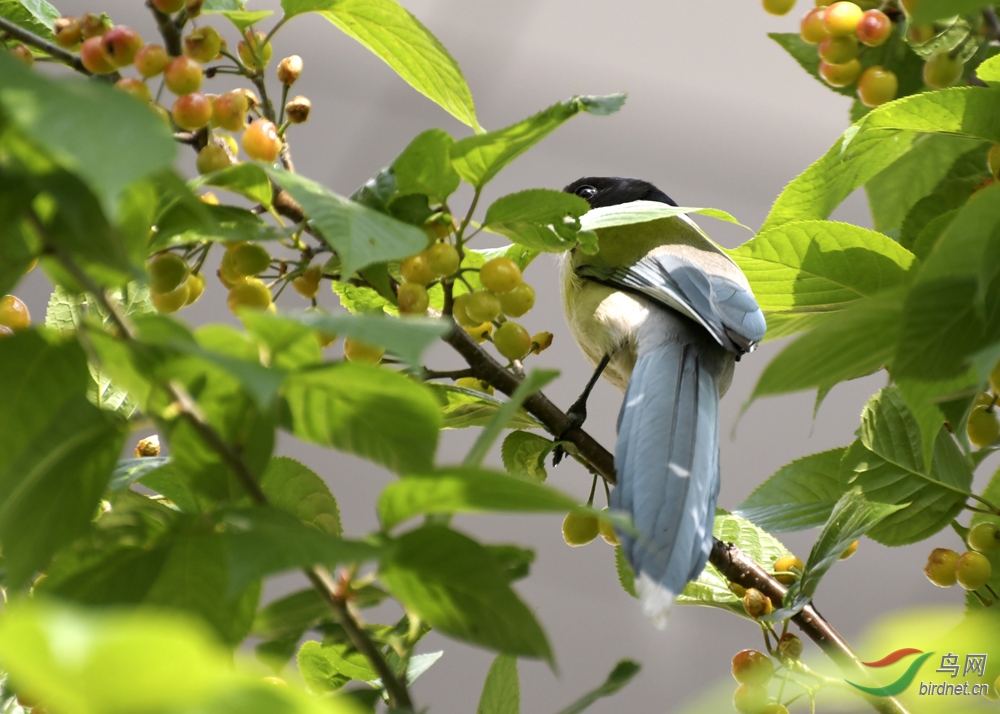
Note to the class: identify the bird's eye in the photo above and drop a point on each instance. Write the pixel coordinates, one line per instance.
(586, 192)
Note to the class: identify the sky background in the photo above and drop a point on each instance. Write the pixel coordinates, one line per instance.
(717, 116)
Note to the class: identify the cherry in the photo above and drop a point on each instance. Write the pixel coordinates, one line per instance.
(877, 86)
(297, 110)
(229, 111)
(150, 446)
(150, 60)
(162, 113)
(973, 570)
(756, 603)
(121, 44)
(482, 306)
(94, 58)
(985, 537)
(579, 528)
(249, 259)
(92, 25)
(212, 158)
(518, 301)
(512, 341)
(500, 275)
(357, 351)
(412, 299)
(541, 341)
(778, 7)
(68, 32)
(183, 75)
(14, 313)
(993, 162)
(289, 70)
(983, 427)
(786, 569)
(168, 6)
(840, 75)
(192, 111)
(443, 259)
(942, 70)
(167, 271)
(248, 294)
(307, 284)
(203, 44)
(196, 286)
(750, 699)
(417, 269)
(812, 29)
(874, 28)
(458, 311)
(136, 87)
(23, 54)
(921, 34)
(838, 49)
(607, 531)
(851, 549)
(842, 18)
(252, 41)
(751, 666)
(171, 301)
(261, 141)
(790, 645)
(480, 332)
(940, 568)
(477, 385)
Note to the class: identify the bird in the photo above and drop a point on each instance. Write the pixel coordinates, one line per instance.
(663, 314)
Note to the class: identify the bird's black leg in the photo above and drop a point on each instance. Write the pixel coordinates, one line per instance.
(578, 412)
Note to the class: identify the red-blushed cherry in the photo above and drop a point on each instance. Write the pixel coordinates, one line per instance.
(136, 87)
(151, 60)
(812, 29)
(192, 111)
(94, 58)
(183, 75)
(121, 43)
(261, 142)
(874, 28)
(842, 18)
(840, 75)
(229, 111)
(203, 44)
(838, 49)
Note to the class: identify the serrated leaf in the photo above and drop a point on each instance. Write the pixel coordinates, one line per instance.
(501, 690)
(466, 490)
(479, 158)
(797, 496)
(991, 494)
(817, 266)
(620, 676)
(535, 380)
(35, 16)
(852, 517)
(462, 408)
(456, 585)
(524, 454)
(989, 71)
(294, 488)
(397, 38)
(243, 19)
(247, 179)
(626, 578)
(369, 411)
(928, 10)
(328, 668)
(424, 167)
(627, 214)
(540, 219)
(359, 235)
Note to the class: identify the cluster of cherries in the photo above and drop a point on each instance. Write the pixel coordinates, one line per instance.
(842, 31)
(972, 569)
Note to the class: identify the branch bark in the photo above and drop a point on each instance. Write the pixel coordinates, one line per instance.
(734, 565)
(55, 51)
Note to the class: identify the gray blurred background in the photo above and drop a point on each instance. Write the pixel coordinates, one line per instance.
(717, 115)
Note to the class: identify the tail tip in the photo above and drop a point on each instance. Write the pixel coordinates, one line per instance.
(657, 600)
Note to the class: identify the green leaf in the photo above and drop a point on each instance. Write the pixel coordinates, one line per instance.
(462, 408)
(456, 585)
(328, 668)
(711, 589)
(852, 517)
(244, 19)
(466, 490)
(535, 381)
(501, 690)
(369, 411)
(524, 454)
(991, 494)
(989, 71)
(296, 489)
(894, 191)
(125, 662)
(128, 471)
(17, 246)
(626, 214)
(817, 266)
(625, 575)
(620, 676)
(797, 496)
(845, 345)
(35, 16)
(181, 224)
(397, 38)
(247, 179)
(292, 613)
(425, 167)
(807, 57)
(360, 236)
(889, 429)
(928, 10)
(79, 140)
(479, 158)
(261, 541)
(539, 218)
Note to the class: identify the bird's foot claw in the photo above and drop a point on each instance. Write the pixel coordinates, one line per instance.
(577, 415)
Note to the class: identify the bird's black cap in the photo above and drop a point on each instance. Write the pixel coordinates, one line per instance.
(601, 191)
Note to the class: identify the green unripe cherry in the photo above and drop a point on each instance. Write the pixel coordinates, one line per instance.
(985, 537)
(579, 528)
(167, 271)
(973, 570)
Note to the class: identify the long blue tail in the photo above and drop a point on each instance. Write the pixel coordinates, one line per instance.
(667, 459)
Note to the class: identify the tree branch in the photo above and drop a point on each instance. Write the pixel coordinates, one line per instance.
(734, 565)
(53, 50)
(169, 31)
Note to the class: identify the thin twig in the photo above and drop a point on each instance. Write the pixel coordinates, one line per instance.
(990, 14)
(453, 374)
